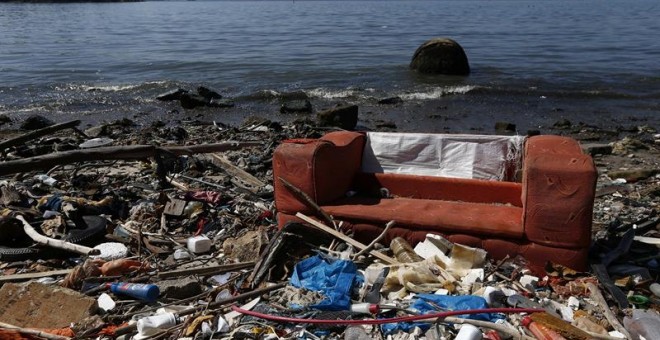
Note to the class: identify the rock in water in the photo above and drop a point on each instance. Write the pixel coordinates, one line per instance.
(343, 116)
(296, 106)
(191, 101)
(391, 101)
(172, 95)
(36, 122)
(440, 56)
(208, 93)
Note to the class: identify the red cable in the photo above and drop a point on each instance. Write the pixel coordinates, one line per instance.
(384, 321)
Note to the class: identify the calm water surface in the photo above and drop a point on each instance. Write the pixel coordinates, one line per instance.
(531, 60)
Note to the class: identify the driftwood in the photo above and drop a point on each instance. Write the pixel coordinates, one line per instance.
(35, 332)
(30, 276)
(354, 243)
(254, 183)
(130, 152)
(204, 271)
(8, 143)
(597, 296)
(308, 201)
(53, 243)
(389, 225)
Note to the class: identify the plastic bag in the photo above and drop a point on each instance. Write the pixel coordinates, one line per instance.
(334, 278)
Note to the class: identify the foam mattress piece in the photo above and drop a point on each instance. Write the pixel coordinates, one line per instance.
(443, 155)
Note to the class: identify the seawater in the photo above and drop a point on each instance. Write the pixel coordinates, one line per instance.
(533, 62)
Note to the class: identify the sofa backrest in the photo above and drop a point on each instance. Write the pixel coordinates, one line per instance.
(443, 155)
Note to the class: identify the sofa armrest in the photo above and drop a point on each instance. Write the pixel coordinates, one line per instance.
(322, 168)
(559, 182)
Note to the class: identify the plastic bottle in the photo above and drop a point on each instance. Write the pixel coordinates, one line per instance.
(469, 332)
(403, 251)
(540, 332)
(644, 324)
(143, 291)
(157, 322)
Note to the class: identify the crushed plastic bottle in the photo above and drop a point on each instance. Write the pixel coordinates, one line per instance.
(644, 324)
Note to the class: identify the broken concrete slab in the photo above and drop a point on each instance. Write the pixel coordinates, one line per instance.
(37, 305)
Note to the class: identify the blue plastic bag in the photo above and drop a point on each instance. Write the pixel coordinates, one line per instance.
(432, 303)
(334, 278)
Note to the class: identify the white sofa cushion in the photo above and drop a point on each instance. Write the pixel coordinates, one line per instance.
(444, 155)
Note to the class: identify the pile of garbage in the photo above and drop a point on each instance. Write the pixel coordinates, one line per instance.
(115, 237)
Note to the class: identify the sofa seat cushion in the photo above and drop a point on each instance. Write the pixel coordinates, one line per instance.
(445, 216)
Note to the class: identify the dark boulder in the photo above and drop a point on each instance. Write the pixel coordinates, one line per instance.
(343, 116)
(505, 127)
(440, 56)
(296, 106)
(391, 101)
(208, 93)
(4, 119)
(191, 101)
(171, 95)
(36, 122)
(563, 124)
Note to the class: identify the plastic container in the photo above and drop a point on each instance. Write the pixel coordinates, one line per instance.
(142, 291)
(45, 179)
(199, 244)
(403, 251)
(158, 322)
(655, 289)
(643, 324)
(469, 332)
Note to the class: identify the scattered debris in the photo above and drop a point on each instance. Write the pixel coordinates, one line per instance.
(167, 241)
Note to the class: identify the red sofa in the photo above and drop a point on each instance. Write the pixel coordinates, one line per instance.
(546, 217)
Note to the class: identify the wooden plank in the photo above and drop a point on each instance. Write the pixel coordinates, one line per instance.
(234, 171)
(30, 276)
(346, 239)
(7, 143)
(128, 152)
(210, 270)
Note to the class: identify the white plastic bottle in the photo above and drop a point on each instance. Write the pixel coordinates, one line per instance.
(469, 332)
(156, 323)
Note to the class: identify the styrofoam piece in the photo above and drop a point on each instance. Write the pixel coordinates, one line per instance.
(529, 280)
(469, 332)
(106, 302)
(95, 143)
(473, 276)
(182, 254)
(199, 244)
(111, 251)
(573, 302)
(427, 249)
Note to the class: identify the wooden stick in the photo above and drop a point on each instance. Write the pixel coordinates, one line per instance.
(209, 270)
(597, 296)
(389, 225)
(234, 171)
(30, 276)
(345, 238)
(129, 152)
(8, 143)
(34, 332)
(308, 201)
(53, 243)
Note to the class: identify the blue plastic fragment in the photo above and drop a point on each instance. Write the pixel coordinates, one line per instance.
(334, 278)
